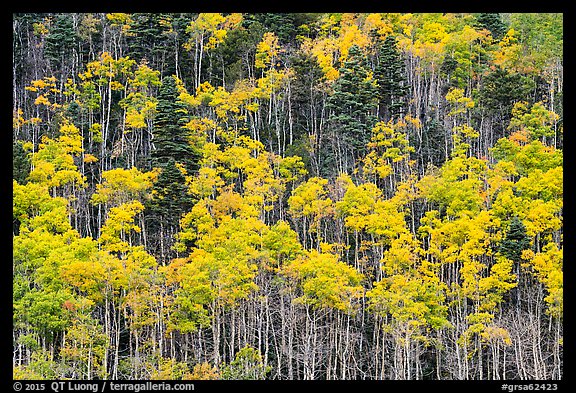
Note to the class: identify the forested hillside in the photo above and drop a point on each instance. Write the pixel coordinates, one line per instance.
(287, 196)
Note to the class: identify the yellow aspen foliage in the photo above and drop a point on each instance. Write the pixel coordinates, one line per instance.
(270, 83)
(388, 145)
(106, 71)
(222, 276)
(462, 133)
(364, 209)
(280, 245)
(200, 128)
(17, 118)
(118, 225)
(90, 158)
(123, 185)
(499, 281)
(501, 177)
(350, 34)
(336, 39)
(467, 243)
(140, 279)
(245, 158)
(478, 323)
(31, 248)
(387, 222)
(170, 369)
(54, 162)
(409, 302)
(520, 137)
(203, 372)
(324, 50)
(375, 22)
(194, 224)
(207, 23)
(509, 53)
(547, 186)
(96, 132)
(507, 204)
(121, 20)
(547, 266)
(206, 183)
(233, 20)
(41, 100)
(204, 93)
(267, 50)
(458, 187)
(310, 200)
(228, 203)
(46, 92)
(357, 204)
(85, 347)
(79, 268)
(484, 285)
(541, 216)
(231, 103)
(465, 47)
(25, 372)
(292, 169)
(402, 256)
(536, 120)
(430, 44)
(32, 200)
(494, 334)
(458, 101)
(410, 292)
(406, 192)
(136, 116)
(328, 25)
(325, 282)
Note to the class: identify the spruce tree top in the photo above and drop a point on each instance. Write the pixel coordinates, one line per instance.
(171, 140)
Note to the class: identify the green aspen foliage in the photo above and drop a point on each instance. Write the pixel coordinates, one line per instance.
(247, 365)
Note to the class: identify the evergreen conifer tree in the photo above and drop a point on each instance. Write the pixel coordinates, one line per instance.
(20, 163)
(493, 23)
(352, 107)
(392, 84)
(516, 240)
(499, 92)
(148, 40)
(171, 140)
(172, 149)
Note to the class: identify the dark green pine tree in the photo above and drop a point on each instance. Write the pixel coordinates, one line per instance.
(516, 241)
(499, 91)
(149, 40)
(146, 40)
(352, 109)
(306, 98)
(60, 41)
(170, 197)
(431, 145)
(284, 25)
(493, 23)
(20, 172)
(171, 140)
(390, 73)
(20, 163)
